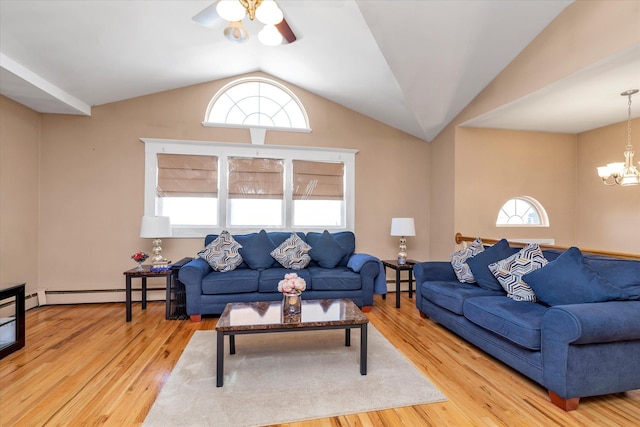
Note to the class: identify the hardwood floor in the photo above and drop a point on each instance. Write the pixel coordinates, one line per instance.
(83, 365)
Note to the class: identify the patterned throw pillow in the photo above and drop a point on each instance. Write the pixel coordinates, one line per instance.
(292, 253)
(459, 261)
(222, 254)
(509, 271)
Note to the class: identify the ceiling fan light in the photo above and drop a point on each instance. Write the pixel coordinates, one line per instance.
(231, 10)
(269, 13)
(270, 36)
(236, 33)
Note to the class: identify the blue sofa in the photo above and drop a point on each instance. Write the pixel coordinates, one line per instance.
(582, 339)
(354, 276)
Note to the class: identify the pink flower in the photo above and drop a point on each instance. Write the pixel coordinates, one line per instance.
(292, 284)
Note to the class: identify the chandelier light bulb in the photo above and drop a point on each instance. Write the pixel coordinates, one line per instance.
(231, 10)
(270, 36)
(269, 13)
(236, 32)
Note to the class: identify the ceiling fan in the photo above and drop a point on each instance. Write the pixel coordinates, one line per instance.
(276, 30)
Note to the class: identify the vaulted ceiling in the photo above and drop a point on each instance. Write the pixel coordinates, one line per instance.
(413, 65)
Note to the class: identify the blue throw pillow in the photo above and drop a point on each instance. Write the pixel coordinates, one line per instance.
(568, 280)
(326, 251)
(256, 250)
(479, 264)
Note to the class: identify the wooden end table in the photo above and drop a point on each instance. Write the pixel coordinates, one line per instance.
(144, 274)
(393, 264)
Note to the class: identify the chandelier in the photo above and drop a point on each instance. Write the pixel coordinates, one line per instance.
(267, 12)
(622, 173)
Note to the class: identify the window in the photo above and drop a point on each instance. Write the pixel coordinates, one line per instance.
(205, 187)
(256, 102)
(523, 211)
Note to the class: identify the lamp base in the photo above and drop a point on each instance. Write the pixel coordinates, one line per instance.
(402, 254)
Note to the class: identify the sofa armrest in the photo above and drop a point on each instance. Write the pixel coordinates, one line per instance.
(191, 274)
(433, 271)
(586, 348)
(594, 322)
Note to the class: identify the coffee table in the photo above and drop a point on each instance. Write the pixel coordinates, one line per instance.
(264, 317)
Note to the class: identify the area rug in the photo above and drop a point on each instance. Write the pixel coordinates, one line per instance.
(285, 377)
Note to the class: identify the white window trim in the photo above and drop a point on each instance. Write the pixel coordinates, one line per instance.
(280, 86)
(542, 213)
(154, 146)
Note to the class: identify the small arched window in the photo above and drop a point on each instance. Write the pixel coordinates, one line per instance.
(522, 211)
(257, 102)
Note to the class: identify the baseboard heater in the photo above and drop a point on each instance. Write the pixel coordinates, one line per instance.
(96, 296)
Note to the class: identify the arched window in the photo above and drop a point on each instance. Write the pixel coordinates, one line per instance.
(522, 211)
(257, 102)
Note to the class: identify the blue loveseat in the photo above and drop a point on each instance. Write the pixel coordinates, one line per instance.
(335, 271)
(583, 337)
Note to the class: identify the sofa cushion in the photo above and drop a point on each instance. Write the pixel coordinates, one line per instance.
(459, 261)
(326, 250)
(256, 249)
(233, 282)
(568, 280)
(479, 264)
(270, 278)
(222, 253)
(623, 273)
(518, 322)
(509, 271)
(293, 253)
(451, 295)
(334, 279)
(346, 239)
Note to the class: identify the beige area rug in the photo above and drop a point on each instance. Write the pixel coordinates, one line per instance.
(285, 377)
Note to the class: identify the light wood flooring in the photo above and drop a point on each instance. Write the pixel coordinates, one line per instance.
(83, 365)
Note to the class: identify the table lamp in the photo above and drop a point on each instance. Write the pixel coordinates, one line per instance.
(402, 227)
(155, 227)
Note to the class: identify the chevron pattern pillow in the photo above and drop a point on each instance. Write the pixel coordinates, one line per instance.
(509, 271)
(459, 261)
(223, 253)
(293, 253)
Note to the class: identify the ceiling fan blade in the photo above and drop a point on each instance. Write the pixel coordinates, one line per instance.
(286, 31)
(207, 16)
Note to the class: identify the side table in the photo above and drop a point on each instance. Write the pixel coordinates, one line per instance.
(12, 329)
(143, 274)
(177, 298)
(393, 264)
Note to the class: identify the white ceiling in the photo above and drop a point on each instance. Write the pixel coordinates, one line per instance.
(413, 65)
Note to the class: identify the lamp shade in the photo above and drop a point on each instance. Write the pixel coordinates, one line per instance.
(402, 227)
(153, 227)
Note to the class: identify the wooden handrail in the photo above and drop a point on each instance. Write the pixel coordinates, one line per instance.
(460, 238)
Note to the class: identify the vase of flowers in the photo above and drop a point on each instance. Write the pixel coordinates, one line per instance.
(139, 257)
(291, 287)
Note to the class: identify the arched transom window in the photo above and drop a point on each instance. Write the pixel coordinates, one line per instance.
(257, 102)
(523, 211)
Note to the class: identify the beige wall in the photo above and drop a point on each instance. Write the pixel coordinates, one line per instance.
(92, 174)
(493, 166)
(607, 218)
(19, 138)
(584, 33)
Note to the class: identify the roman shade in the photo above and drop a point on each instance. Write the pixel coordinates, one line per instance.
(318, 180)
(255, 178)
(182, 175)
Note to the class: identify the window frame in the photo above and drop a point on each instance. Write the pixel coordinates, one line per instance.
(263, 80)
(541, 211)
(223, 150)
